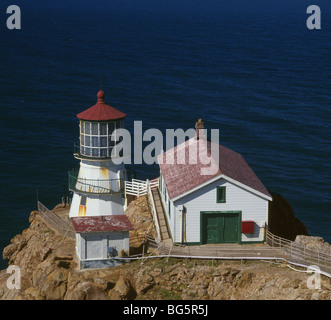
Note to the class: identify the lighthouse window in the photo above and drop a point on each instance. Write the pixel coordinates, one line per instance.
(83, 201)
(97, 139)
(111, 127)
(111, 142)
(119, 124)
(87, 141)
(103, 129)
(103, 142)
(114, 138)
(94, 128)
(87, 127)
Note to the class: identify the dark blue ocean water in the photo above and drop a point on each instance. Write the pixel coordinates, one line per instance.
(250, 68)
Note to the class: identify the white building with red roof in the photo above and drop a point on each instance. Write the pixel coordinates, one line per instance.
(228, 206)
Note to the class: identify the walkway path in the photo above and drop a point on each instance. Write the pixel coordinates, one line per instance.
(160, 215)
(218, 250)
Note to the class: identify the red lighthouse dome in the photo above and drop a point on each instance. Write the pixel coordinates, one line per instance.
(101, 111)
(98, 125)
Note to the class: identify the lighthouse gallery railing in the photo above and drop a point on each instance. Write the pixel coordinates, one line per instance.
(94, 186)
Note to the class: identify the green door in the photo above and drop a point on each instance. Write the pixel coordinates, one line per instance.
(220, 227)
(212, 229)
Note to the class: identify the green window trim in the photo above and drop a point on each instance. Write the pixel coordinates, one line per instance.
(221, 194)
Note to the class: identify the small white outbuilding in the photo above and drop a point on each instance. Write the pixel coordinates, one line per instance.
(101, 240)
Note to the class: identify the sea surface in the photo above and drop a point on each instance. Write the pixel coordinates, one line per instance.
(251, 69)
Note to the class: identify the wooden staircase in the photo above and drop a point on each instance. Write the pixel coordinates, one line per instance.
(164, 231)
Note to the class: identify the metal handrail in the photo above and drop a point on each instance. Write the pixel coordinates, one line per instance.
(56, 222)
(94, 186)
(298, 252)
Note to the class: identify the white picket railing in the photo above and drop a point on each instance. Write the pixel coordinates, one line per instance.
(155, 183)
(138, 187)
(135, 187)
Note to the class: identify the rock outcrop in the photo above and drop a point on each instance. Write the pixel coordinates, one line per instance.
(49, 272)
(314, 243)
(282, 220)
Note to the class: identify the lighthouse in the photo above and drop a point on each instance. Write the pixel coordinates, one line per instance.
(98, 185)
(97, 207)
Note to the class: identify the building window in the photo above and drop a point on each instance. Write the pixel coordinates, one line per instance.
(220, 194)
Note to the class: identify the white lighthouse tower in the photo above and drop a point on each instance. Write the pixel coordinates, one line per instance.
(97, 207)
(98, 185)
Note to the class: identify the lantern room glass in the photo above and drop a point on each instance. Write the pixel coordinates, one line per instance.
(96, 138)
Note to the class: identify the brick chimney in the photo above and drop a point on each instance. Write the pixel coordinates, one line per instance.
(198, 125)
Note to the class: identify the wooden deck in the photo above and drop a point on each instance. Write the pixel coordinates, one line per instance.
(226, 251)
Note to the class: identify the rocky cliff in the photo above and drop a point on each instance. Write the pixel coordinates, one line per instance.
(49, 271)
(282, 220)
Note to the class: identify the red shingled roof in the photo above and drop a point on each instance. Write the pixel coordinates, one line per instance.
(181, 178)
(102, 223)
(101, 111)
